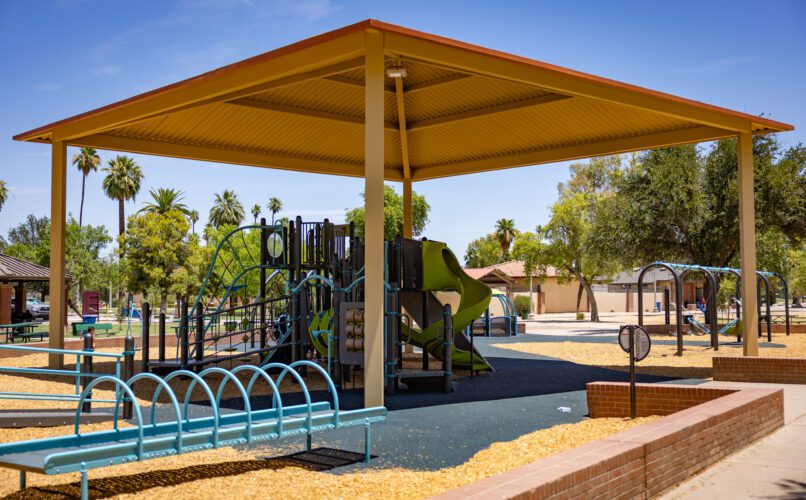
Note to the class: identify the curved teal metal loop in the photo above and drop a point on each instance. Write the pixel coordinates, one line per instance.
(300, 381)
(196, 380)
(161, 382)
(278, 400)
(351, 285)
(246, 405)
(311, 277)
(119, 383)
(330, 385)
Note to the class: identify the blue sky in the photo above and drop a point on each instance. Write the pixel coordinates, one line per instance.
(63, 57)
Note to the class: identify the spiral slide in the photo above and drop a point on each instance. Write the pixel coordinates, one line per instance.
(442, 272)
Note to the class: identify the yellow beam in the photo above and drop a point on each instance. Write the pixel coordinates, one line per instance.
(217, 84)
(344, 80)
(58, 221)
(237, 156)
(558, 80)
(747, 245)
(404, 148)
(419, 87)
(685, 136)
(308, 113)
(486, 112)
(373, 213)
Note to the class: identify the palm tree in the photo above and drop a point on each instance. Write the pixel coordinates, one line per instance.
(165, 200)
(227, 209)
(3, 194)
(87, 160)
(194, 218)
(255, 211)
(122, 182)
(274, 206)
(505, 233)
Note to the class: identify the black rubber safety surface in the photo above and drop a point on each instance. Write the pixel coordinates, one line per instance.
(319, 459)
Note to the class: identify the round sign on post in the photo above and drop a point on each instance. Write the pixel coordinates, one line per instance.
(642, 343)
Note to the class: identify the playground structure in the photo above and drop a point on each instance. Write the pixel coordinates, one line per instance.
(504, 324)
(184, 434)
(711, 326)
(301, 296)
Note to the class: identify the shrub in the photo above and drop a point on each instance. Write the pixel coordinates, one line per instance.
(580, 316)
(522, 304)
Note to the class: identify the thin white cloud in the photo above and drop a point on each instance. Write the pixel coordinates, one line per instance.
(48, 87)
(27, 190)
(107, 70)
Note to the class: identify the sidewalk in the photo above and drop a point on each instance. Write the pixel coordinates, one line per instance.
(774, 467)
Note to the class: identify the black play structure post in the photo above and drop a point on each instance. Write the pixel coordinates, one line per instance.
(264, 261)
(162, 336)
(146, 342)
(761, 277)
(632, 369)
(666, 304)
(128, 371)
(786, 299)
(199, 338)
(87, 368)
(183, 335)
(447, 344)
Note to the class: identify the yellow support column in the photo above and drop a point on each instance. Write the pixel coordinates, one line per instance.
(407, 222)
(373, 229)
(58, 305)
(404, 151)
(747, 245)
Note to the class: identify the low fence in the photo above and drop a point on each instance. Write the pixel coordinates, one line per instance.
(646, 460)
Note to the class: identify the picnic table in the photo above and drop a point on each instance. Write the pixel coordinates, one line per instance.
(23, 330)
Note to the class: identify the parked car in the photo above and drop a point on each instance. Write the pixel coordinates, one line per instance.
(37, 308)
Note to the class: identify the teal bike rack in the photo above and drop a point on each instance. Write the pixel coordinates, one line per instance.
(146, 440)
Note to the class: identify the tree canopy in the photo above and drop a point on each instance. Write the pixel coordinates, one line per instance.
(483, 252)
(393, 214)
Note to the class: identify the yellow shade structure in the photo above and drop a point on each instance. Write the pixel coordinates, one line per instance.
(383, 102)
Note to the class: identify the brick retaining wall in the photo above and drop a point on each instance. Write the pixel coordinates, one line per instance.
(756, 369)
(646, 460)
(613, 400)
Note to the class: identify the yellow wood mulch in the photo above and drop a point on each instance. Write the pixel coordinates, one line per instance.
(229, 473)
(662, 361)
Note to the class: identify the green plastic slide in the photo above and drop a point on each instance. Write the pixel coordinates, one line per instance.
(442, 272)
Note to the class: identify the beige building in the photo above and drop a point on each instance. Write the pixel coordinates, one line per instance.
(619, 294)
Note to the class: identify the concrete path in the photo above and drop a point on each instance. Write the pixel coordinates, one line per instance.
(774, 467)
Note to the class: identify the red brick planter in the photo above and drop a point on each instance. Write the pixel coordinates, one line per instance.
(646, 460)
(757, 369)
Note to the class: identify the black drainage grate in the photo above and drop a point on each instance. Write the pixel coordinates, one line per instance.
(320, 459)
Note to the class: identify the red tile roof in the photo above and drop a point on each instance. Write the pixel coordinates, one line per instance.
(512, 268)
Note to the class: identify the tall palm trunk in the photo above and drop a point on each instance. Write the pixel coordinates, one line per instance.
(121, 223)
(81, 208)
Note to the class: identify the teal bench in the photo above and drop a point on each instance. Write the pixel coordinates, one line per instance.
(82, 452)
(80, 328)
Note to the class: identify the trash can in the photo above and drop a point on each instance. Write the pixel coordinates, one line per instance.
(90, 319)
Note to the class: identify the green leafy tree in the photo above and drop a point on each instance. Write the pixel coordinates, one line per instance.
(569, 244)
(505, 233)
(227, 209)
(163, 200)
(797, 274)
(3, 194)
(186, 280)
(83, 247)
(193, 216)
(483, 252)
(274, 206)
(156, 245)
(87, 161)
(255, 212)
(393, 214)
(529, 248)
(122, 182)
(30, 240)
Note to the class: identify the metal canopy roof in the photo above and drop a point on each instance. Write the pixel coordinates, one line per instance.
(14, 269)
(460, 109)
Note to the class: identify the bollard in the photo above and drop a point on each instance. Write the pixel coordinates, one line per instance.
(128, 372)
(89, 345)
(146, 332)
(447, 344)
(162, 336)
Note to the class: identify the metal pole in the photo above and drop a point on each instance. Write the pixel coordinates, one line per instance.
(199, 338)
(667, 300)
(146, 319)
(161, 333)
(183, 335)
(631, 329)
(264, 261)
(424, 326)
(87, 367)
(447, 344)
(128, 371)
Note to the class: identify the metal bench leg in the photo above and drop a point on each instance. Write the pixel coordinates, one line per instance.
(85, 489)
(367, 443)
(22, 479)
(308, 442)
